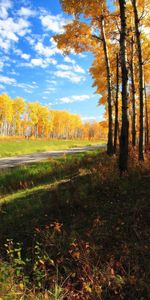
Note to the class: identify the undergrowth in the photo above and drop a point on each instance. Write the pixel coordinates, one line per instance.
(84, 239)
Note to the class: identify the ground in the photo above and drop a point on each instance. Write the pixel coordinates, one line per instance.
(17, 146)
(83, 233)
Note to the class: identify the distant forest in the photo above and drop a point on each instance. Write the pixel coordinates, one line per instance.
(19, 118)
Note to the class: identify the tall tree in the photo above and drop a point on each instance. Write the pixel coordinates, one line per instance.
(109, 87)
(123, 156)
(141, 79)
(116, 127)
(146, 120)
(79, 36)
(133, 92)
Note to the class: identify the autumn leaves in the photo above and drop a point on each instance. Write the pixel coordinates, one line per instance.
(18, 118)
(118, 40)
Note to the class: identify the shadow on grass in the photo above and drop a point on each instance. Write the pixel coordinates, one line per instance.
(77, 203)
(95, 206)
(27, 176)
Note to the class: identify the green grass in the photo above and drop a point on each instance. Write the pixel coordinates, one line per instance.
(96, 207)
(20, 147)
(47, 171)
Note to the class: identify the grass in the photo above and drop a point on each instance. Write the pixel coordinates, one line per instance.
(47, 171)
(20, 146)
(84, 236)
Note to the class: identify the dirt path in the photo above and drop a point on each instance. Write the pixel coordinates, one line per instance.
(9, 162)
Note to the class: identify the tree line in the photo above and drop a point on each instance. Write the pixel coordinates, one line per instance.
(119, 40)
(19, 118)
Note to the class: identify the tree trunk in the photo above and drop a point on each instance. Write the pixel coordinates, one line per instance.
(116, 104)
(133, 92)
(109, 87)
(141, 81)
(146, 121)
(123, 156)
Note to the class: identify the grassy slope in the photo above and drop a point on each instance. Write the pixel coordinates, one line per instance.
(109, 212)
(20, 147)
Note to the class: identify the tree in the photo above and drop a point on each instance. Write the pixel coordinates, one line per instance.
(141, 79)
(79, 36)
(18, 106)
(123, 155)
(116, 104)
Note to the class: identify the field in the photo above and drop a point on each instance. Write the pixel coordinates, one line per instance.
(78, 231)
(12, 147)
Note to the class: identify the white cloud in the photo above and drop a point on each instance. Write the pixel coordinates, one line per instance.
(12, 72)
(49, 90)
(73, 77)
(1, 65)
(54, 82)
(75, 98)
(7, 80)
(11, 30)
(44, 50)
(75, 68)
(64, 67)
(26, 12)
(25, 56)
(39, 62)
(78, 69)
(21, 54)
(26, 86)
(17, 51)
(69, 60)
(5, 5)
(54, 24)
(30, 40)
(4, 44)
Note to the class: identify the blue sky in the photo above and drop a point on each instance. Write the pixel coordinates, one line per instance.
(32, 67)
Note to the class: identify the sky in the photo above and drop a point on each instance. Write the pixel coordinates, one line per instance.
(33, 68)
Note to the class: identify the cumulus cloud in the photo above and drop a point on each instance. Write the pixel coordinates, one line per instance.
(25, 56)
(43, 50)
(54, 24)
(11, 30)
(75, 98)
(73, 77)
(7, 80)
(5, 5)
(70, 72)
(26, 12)
(75, 68)
(39, 62)
(67, 59)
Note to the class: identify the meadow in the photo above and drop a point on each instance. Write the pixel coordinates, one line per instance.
(18, 146)
(79, 231)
